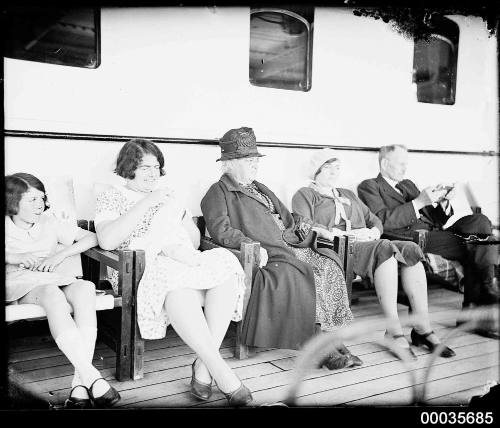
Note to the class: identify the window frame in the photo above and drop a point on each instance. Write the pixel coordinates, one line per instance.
(97, 28)
(447, 31)
(309, 27)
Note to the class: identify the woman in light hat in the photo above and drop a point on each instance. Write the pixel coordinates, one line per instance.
(298, 287)
(335, 211)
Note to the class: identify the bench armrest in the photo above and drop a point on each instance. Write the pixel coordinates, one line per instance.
(109, 258)
(249, 257)
(124, 261)
(209, 244)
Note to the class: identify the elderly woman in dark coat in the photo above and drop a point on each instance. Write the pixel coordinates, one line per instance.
(297, 287)
(334, 211)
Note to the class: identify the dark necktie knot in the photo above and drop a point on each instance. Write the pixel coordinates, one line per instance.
(400, 188)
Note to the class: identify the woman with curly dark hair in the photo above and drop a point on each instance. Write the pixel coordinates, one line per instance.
(178, 279)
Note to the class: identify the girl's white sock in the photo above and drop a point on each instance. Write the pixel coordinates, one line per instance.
(71, 343)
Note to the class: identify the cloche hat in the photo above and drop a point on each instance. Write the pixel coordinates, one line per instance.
(318, 159)
(238, 143)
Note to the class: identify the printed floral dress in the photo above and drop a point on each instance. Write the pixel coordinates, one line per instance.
(162, 273)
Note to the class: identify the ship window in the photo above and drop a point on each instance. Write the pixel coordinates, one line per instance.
(55, 35)
(281, 48)
(435, 63)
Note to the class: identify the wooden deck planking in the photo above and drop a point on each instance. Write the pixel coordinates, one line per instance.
(327, 384)
(461, 398)
(382, 379)
(439, 388)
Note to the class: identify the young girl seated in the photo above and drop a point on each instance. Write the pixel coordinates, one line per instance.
(33, 260)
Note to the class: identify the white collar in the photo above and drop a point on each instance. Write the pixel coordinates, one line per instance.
(12, 229)
(334, 190)
(391, 182)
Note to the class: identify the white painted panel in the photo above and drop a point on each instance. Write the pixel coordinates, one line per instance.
(191, 169)
(181, 72)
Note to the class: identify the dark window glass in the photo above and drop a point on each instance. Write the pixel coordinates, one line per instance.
(435, 63)
(281, 48)
(56, 35)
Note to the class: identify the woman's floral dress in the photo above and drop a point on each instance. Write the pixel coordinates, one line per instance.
(163, 274)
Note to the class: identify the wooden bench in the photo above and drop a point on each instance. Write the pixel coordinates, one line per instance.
(118, 329)
(122, 332)
(105, 303)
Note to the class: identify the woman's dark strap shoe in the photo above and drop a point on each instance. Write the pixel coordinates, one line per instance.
(108, 399)
(200, 390)
(421, 339)
(239, 397)
(78, 403)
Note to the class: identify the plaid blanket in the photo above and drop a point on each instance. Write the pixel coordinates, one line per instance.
(450, 270)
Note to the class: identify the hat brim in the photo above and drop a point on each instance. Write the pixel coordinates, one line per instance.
(239, 156)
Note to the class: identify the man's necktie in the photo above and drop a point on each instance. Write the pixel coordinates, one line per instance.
(401, 189)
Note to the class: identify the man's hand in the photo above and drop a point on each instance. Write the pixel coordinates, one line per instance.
(425, 197)
(451, 194)
(263, 257)
(429, 196)
(450, 191)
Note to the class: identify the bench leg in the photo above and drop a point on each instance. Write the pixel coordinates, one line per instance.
(136, 341)
(241, 351)
(137, 353)
(123, 359)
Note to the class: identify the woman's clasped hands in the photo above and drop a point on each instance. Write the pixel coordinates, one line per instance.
(50, 263)
(24, 260)
(32, 262)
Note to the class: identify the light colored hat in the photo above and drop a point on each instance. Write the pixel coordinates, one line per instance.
(318, 159)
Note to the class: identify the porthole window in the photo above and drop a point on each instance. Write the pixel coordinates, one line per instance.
(55, 35)
(435, 63)
(281, 48)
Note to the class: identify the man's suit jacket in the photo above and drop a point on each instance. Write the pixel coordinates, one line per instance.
(396, 210)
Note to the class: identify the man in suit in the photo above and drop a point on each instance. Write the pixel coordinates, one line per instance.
(403, 209)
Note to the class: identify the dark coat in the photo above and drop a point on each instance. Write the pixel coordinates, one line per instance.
(281, 311)
(396, 210)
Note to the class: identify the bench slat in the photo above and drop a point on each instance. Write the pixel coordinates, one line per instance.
(25, 311)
